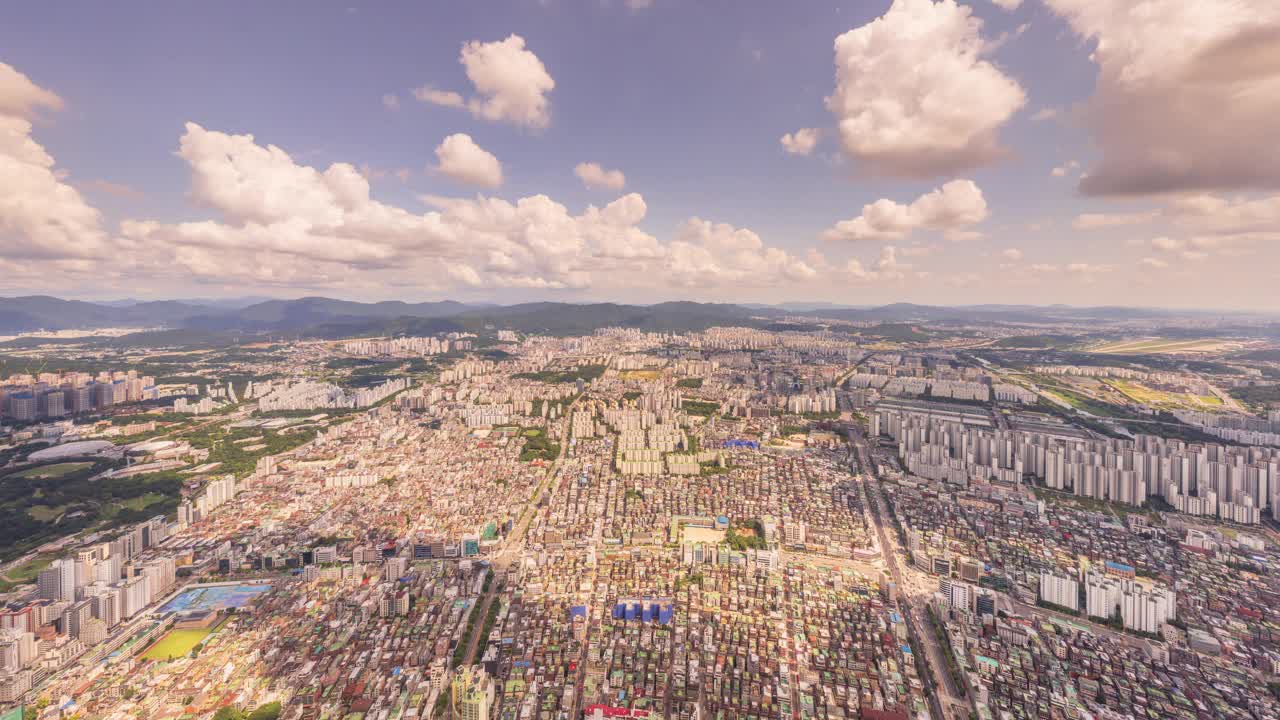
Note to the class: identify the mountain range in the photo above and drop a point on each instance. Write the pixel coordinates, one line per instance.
(328, 317)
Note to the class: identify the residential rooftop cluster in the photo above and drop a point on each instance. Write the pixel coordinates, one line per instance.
(735, 523)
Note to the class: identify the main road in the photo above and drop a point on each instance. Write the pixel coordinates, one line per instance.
(940, 689)
(514, 543)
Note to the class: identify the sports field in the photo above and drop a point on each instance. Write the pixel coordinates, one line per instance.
(176, 644)
(1156, 346)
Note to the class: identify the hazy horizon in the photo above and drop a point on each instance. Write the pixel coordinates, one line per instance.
(800, 305)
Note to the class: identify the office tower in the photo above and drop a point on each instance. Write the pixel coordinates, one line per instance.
(49, 584)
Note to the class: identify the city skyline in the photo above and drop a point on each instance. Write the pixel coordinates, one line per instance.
(1033, 152)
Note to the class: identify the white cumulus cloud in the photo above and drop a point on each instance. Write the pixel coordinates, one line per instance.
(274, 222)
(1088, 272)
(704, 251)
(886, 266)
(511, 84)
(593, 175)
(250, 182)
(914, 95)
(1094, 221)
(950, 209)
(430, 95)
(1211, 214)
(41, 216)
(462, 160)
(19, 97)
(802, 141)
(285, 224)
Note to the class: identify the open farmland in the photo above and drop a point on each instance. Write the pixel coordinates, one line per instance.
(1156, 346)
(1162, 398)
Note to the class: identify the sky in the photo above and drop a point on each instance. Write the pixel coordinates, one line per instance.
(1084, 152)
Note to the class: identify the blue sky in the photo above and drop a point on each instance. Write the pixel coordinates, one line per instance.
(688, 99)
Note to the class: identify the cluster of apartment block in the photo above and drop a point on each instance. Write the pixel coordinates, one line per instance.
(1113, 590)
(821, 401)
(1234, 483)
(949, 389)
(1190, 383)
(27, 398)
(311, 395)
(221, 490)
(1236, 428)
(398, 346)
(644, 439)
(79, 600)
